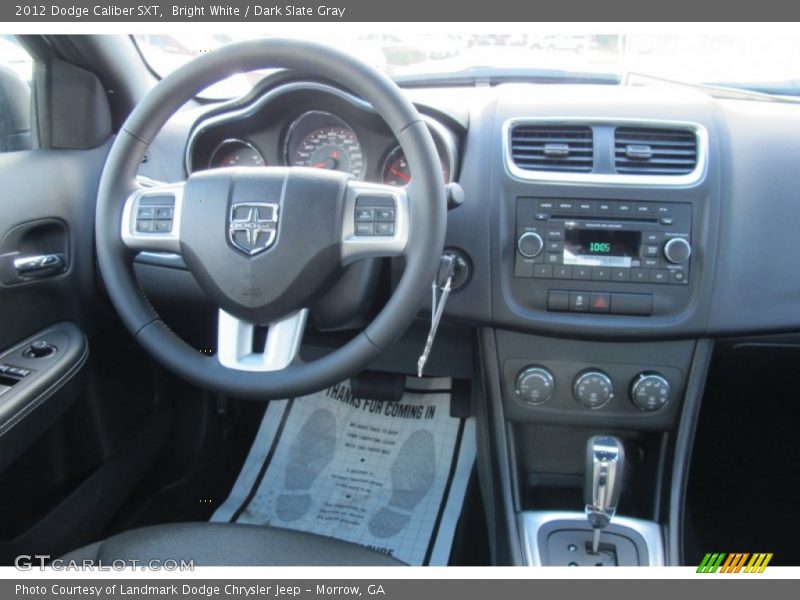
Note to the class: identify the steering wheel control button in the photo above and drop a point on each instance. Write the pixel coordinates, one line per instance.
(677, 250)
(375, 215)
(39, 349)
(385, 215)
(154, 214)
(365, 215)
(593, 389)
(530, 244)
(650, 391)
(365, 229)
(535, 385)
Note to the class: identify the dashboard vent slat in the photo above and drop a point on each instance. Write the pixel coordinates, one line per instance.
(553, 148)
(654, 151)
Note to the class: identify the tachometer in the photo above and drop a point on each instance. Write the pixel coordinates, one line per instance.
(396, 172)
(235, 153)
(323, 141)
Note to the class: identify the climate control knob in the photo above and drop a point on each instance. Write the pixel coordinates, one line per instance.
(535, 385)
(677, 250)
(593, 389)
(530, 244)
(650, 391)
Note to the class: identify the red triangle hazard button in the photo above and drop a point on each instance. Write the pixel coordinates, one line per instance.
(600, 302)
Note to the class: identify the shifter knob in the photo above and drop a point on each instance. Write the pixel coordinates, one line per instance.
(605, 465)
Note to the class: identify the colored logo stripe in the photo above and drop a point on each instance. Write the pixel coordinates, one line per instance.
(735, 562)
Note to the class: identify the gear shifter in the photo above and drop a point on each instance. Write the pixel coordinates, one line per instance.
(605, 465)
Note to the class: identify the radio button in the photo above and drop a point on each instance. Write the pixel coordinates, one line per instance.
(620, 275)
(667, 221)
(565, 206)
(644, 209)
(651, 251)
(554, 246)
(659, 276)
(530, 244)
(546, 205)
(624, 209)
(651, 263)
(652, 238)
(555, 234)
(562, 272)
(552, 259)
(543, 271)
(605, 208)
(601, 274)
(523, 267)
(640, 275)
(582, 273)
(677, 250)
(663, 210)
(585, 206)
(679, 277)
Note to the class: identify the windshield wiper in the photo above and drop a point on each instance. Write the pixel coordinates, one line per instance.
(717, 90)
(489, 76)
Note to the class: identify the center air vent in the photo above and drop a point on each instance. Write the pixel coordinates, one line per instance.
(563, 148)
(654, 151)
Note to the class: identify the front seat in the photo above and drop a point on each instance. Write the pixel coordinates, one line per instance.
(228, 545)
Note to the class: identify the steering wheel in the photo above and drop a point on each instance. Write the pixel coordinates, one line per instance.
(264, 242)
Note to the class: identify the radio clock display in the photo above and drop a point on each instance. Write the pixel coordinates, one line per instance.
(601, 248)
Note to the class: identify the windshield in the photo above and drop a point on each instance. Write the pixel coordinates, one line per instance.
(764, 62)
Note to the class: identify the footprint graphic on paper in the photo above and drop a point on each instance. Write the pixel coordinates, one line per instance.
(412, 473)
(311, 451)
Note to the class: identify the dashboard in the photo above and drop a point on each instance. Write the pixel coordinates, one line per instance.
(668, 253)
(310, 125)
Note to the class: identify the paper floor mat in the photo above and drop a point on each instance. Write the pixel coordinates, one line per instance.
(389, 476)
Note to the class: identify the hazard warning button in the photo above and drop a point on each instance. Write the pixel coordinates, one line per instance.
(599, 302)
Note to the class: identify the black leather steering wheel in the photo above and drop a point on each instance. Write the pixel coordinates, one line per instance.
(264, 242)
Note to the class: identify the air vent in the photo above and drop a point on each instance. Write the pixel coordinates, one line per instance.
(552, 148)
(654, 151)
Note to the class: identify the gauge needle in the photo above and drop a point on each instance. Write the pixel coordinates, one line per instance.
(400, 174)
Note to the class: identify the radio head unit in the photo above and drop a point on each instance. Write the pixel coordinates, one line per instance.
(628, 244)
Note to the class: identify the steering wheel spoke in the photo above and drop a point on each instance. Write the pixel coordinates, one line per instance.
(151, 219)
(235, 342)
(376, 221)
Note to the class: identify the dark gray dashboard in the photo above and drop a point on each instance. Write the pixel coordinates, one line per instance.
(744, 208)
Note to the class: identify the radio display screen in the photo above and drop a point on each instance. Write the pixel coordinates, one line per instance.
(601, 248)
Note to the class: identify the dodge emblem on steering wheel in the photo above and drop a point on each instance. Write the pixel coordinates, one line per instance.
(253, 226)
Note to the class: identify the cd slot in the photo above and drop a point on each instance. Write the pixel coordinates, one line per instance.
(633, 220)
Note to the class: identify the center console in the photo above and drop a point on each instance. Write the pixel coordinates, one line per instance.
(603, 241)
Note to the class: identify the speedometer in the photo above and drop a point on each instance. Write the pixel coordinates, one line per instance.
(323, 141)
(235, 153)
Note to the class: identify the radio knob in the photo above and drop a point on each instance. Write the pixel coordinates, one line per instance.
(593, 389)
(530, 244)
(677, 250)
(535, 385)
(649, 391)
